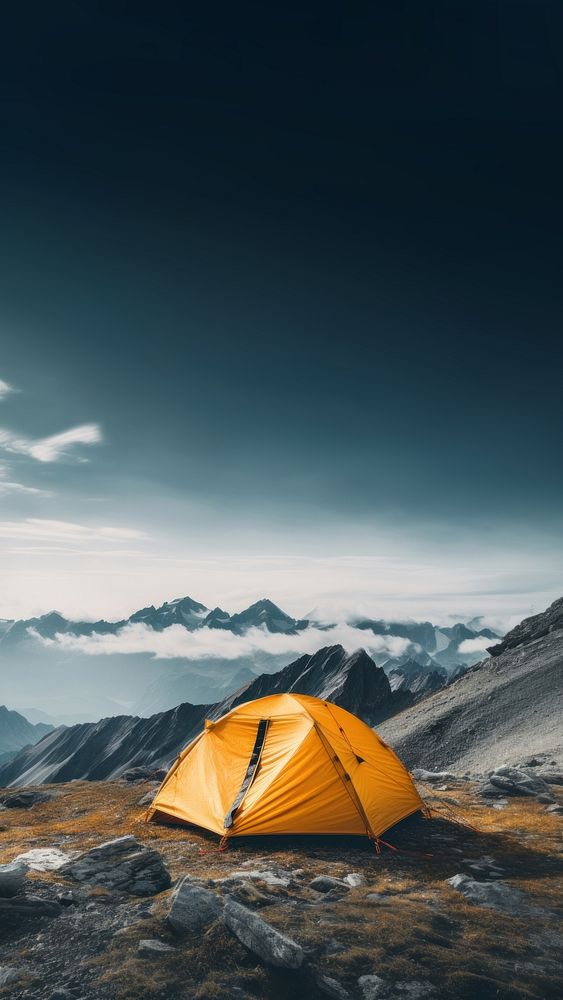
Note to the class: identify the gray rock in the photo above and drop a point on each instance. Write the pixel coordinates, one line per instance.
(261, 938)
(372, 987)
(12, 878)
(551, 777)
(546, 800)
(494, 895)
(27, 906)
(25, 799)
(248, 894)
(324, 883)
(432, 777)
(44, 859)
(61, 993)
(375, 988)
(556, 808)
(9, 975)
(514, 781)
(485, 867)
(281, 878)
(66, 898)
(123, 864)
(146, 799)
(330, 987)
(334, 947)
(233, 992)
(144, 774)
(153, 948)
(355, 879)
(192, 907)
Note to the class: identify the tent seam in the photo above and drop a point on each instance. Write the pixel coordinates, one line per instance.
(360, 811)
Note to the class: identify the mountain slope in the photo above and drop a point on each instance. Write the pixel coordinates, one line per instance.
(350, 680)
(503, 709)
(16, 732)
(107, 748)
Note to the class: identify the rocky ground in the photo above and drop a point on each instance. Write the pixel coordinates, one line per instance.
(457, 911)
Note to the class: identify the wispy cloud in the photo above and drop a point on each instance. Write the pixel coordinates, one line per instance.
(34, 528)
(477, 645)
(5, 389)
(176, 641)
(53, 448)
(8, 487)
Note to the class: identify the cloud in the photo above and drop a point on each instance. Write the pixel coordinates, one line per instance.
(7, 488)
(176, 641)
(5, 389)
(53, 448)
(41, 529)
(477, 645)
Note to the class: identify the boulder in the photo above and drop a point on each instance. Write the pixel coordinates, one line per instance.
(551, 777)
(494, 895)
(555, 809)
(192, 907)
(432, 777)
(25, 799)
(153, 948)
(261, 938)
(330, 987)
(508, 780)
(12, 878)
(355, 879)
(27, 906)
(324, 883)
(44, 859)
(123, 864)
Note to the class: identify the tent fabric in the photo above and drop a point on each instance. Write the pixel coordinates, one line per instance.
(287, 764)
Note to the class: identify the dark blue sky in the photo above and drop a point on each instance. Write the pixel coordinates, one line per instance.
(300, 265)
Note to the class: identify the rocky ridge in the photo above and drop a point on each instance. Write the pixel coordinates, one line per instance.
(503, 709)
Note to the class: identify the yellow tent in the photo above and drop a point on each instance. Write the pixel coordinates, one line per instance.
(287, 764)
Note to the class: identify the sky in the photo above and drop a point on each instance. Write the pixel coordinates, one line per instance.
(280, 307)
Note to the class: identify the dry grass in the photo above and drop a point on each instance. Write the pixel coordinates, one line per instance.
(418, 928)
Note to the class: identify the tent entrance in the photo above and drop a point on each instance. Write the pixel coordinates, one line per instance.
(250, 773)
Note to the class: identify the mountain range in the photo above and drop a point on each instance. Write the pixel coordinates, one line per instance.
(182, 611)
(440, 641)
(502, 707)
(74, 679)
